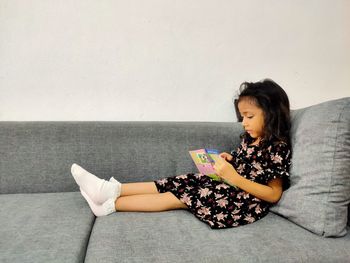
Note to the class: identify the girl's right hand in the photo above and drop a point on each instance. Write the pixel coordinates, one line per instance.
(228, 157)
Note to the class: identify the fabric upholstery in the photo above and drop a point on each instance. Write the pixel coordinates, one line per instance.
(40, 154)
(177, 236)
(48, 227)
(319, 195)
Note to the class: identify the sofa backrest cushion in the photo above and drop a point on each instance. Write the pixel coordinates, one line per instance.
(37, 156)
(319, 195)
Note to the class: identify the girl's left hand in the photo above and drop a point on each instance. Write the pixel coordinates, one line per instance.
(225, 170)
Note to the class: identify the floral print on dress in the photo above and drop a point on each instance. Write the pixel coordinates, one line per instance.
(222, 206)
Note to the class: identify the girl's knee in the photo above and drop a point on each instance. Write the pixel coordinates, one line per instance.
(175, 202)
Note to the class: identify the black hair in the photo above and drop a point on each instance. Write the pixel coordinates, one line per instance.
(273, 100)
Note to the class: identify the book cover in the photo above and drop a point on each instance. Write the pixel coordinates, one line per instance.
(204, 159)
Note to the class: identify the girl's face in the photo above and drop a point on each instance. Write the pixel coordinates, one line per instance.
(253, 118)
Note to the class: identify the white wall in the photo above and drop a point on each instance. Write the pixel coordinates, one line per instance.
(166, 60)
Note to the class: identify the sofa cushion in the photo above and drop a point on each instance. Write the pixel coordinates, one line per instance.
(52, 227)
(177, 236)
(319, 195)
(45, 151)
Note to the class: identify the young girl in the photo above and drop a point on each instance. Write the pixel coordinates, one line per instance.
(259, 168)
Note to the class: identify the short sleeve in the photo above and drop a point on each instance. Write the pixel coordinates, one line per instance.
(279, 162)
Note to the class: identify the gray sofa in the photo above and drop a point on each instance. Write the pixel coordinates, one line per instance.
(44, 218)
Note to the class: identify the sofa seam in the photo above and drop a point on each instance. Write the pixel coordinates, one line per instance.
(88, 239)
(333, 167)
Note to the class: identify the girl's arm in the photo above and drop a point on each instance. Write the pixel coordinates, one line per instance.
(270, 193)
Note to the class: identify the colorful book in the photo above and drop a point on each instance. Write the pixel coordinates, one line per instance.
(205, 159)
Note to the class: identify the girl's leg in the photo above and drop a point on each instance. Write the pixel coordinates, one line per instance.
(138, 188)
(99, 190)
(149, 202)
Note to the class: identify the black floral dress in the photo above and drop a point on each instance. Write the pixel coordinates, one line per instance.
(221, 205)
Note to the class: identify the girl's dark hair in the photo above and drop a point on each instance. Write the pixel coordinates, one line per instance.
(273, 100)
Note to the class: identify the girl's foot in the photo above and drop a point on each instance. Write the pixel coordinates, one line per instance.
(98, 190)
(108, 207)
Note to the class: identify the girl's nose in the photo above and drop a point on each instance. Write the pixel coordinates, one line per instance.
(244, 122)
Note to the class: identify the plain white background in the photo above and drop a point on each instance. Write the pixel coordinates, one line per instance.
(166, 60)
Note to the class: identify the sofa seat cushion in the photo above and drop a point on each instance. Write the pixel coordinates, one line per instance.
(177, 236)
(44, 227)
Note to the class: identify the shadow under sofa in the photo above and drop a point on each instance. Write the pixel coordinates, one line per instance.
(44, 218)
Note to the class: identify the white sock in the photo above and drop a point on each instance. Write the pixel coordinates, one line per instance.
(99, 190)
(106, 208)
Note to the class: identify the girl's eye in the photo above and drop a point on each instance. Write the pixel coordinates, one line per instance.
(250, 117)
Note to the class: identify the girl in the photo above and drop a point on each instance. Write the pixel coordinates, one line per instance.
(259, 168)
